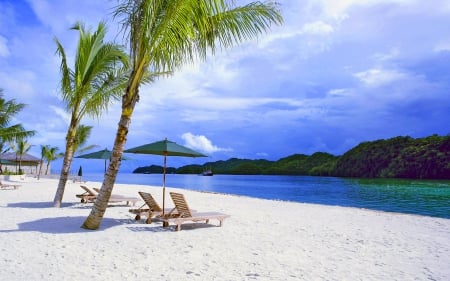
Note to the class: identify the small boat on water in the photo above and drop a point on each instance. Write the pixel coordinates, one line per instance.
(207, 173)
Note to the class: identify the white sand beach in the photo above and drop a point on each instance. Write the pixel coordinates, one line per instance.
(262, 240)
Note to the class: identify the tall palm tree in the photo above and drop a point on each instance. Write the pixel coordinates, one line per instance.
(164, 35)
(90, 87)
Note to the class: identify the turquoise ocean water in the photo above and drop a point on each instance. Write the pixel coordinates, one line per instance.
(421, 197)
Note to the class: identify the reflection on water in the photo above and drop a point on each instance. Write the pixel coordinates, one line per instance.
(430, 198)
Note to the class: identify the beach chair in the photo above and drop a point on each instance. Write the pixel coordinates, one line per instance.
(90, 196)
(150, 208)
(9, 185)
(87, 196)
(184, 214)
(115, 198)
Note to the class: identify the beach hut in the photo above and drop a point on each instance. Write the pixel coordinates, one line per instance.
(27, 163)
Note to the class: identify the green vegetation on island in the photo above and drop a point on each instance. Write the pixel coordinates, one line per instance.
(399, 157)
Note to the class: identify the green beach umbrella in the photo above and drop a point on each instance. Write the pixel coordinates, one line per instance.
(101, 154)
(165, 148)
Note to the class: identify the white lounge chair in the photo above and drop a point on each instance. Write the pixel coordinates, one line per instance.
(9, 185)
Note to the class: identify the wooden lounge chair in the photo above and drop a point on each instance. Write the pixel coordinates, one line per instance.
(120, 198)
(150, 208)
(9, 185)
(90, 196)
(184, 214)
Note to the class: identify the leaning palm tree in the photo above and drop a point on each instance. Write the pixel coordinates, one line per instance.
(164, 35)
(90, 87)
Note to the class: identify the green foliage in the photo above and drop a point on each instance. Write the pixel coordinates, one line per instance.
(400, 157)
(190, 169)
(9, 132)
(369, 159)
(154, 169)
(427, 158)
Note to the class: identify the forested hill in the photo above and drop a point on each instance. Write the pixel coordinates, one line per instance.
(399, 157)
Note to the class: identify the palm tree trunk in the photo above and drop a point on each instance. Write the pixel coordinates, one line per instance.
(46, 169)
(68, 156)
(98, 210)
(20, 164)
(40, 169)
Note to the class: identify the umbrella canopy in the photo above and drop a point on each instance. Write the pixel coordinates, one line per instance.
(101, 154)
(165, 148)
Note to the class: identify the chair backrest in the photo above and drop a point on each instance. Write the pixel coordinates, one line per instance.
(181, 204)
(96, 189)
(150, 201)
(88, 190)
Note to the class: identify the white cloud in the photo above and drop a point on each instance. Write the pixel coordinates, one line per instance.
(339, 92)
(262, 154)
(201, 143)
(442, 46)
(317, 27)
(19, 84)
(377, 76)
(338, 9)
(61, 113)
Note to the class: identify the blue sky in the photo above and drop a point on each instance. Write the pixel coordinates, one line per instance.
(335, 74)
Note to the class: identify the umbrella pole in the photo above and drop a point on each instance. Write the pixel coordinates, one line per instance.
(164, 184)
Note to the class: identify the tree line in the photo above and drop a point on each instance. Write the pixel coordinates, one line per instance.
(399, 157)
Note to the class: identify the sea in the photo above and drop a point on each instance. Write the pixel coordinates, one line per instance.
(420, 197)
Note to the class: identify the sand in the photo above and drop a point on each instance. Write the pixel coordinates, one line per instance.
(262, 240)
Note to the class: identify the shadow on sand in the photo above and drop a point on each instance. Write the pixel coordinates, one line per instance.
(38, 205)
(171, 228)
(63, 225)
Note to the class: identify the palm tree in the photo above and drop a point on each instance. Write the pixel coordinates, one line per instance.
(90, 87)
(44, 149)
(82, 135)
(164, 35)
(52, 154)
(22, 148)
(8, 132)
